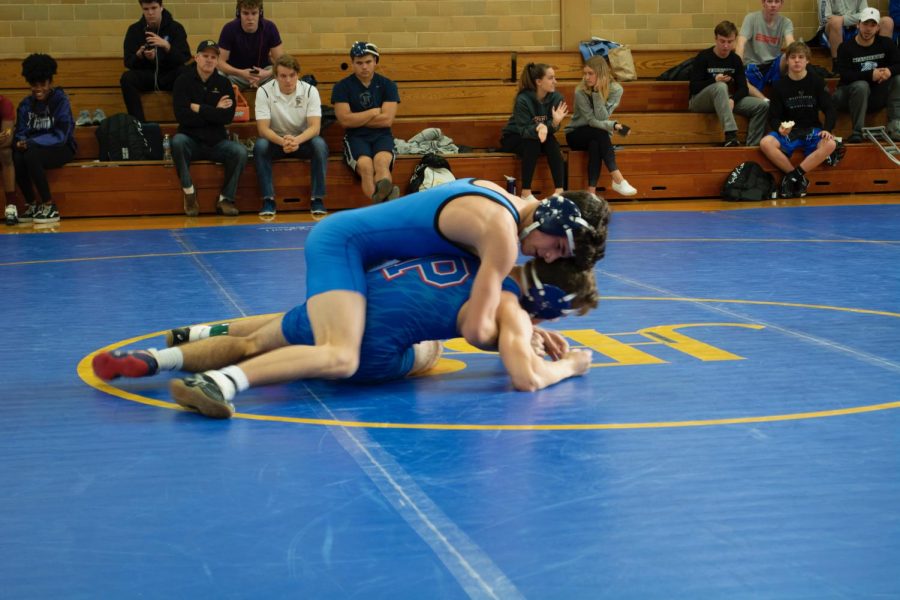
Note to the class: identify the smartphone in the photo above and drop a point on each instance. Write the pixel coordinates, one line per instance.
(254, 71)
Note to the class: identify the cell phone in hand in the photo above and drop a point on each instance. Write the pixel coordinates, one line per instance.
(624, 129)
(254, 71)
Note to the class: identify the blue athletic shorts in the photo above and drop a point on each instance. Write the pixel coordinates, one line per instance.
(379, 359)
(761, 75)
(808, 143)
(368, 142)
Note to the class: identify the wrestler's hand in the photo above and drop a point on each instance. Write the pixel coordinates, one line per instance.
(552, 343)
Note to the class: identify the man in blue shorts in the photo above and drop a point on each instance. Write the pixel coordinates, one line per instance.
(365, 103)
(797, 99)
(410, 303)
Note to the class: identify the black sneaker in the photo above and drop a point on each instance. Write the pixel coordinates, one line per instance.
(119, 363)
(47, 213)
(200, 393)
(855, 138)
(12, 215)
(800, 187)
(835, 157)
(178, 336)
(788, 187)
(28, 215)
(731, 143)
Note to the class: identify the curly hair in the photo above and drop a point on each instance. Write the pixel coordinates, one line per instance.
(37, 68)
(590, 246)
(568, 275)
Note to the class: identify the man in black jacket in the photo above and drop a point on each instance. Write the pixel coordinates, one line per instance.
(203, 101)
(869, 66)
(156, 48)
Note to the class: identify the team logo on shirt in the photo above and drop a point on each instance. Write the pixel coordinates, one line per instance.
(365, 100)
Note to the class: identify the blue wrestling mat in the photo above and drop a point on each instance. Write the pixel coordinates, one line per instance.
(738, 435)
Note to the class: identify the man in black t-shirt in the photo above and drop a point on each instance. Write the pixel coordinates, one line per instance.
(869, 66)
(718, 85)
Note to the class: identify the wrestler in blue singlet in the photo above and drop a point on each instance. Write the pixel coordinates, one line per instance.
(408, 302)
(342, 247)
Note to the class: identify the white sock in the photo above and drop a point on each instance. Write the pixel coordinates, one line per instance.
(226, 385)
(221, 197)
(235, 373)
(168, 359)
(188, 190)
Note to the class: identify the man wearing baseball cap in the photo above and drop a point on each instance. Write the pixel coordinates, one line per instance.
(869, 65)
(838, 20)
(204, 104)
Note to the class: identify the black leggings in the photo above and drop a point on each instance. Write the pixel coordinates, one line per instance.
(599, 147)
(30, 166)
(529, 150)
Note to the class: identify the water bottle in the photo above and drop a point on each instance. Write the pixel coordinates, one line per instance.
(167, 149)
(510, 184)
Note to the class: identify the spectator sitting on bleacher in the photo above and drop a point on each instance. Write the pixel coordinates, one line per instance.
(204, 103)
(797, 99)
(365, 103)
(869, 66)
(718, 84)
(538, 112)
(596, 98)
(763, 35)
(44, 138)
(156, 49)
(249, 44)
(288, 120)
(839, 19)
(7, 122)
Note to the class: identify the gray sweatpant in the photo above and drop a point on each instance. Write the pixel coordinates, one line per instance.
(714, 98)
(859, 97)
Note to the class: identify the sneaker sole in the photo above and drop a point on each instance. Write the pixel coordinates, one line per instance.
(193, 399)
(45, 221)
(382, 189)
(108, 367)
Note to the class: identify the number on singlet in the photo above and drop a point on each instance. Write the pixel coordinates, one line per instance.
(443, 272)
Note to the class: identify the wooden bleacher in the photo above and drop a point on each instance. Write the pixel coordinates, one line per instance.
(670, 153)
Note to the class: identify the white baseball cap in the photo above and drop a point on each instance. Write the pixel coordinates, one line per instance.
(869, 14)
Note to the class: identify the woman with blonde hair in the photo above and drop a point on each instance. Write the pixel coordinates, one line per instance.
(537, 115)
(595, 100)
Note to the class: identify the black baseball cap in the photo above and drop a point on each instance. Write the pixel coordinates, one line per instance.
(206, 44)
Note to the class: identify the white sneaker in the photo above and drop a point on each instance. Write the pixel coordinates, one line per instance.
(624, 188)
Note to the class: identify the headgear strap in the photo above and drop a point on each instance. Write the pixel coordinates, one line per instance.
(557, 216)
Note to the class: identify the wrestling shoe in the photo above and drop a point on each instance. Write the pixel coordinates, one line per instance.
(789, 187)
(800, 187)
(12, 215)
(835, 157)
(178, 336)
(120, 363)
(200, 393)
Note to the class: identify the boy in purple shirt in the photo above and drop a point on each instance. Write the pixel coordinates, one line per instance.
(249, 45)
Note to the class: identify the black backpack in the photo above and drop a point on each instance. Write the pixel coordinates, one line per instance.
(680, 72)
(121, 137)
(328, 116)
(432, 171)
(748, 181)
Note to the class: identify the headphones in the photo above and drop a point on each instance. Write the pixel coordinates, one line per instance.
(362, 48)
(544, 301)
(237, 10)
(557, 216)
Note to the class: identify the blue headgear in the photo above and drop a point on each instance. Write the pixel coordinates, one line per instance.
(362, 48)
(543, 301)
(557, 216)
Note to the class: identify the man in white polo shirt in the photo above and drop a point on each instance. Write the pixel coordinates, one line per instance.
(288, 120)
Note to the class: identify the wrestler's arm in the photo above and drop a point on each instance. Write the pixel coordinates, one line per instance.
(528, 371)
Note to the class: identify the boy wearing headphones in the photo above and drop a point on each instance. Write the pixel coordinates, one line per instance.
(365, 103)
(249, 45)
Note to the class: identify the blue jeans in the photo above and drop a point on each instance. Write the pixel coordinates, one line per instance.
(265, 152)
(231, 154)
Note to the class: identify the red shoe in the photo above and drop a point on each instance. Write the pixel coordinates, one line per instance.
(119, 363)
